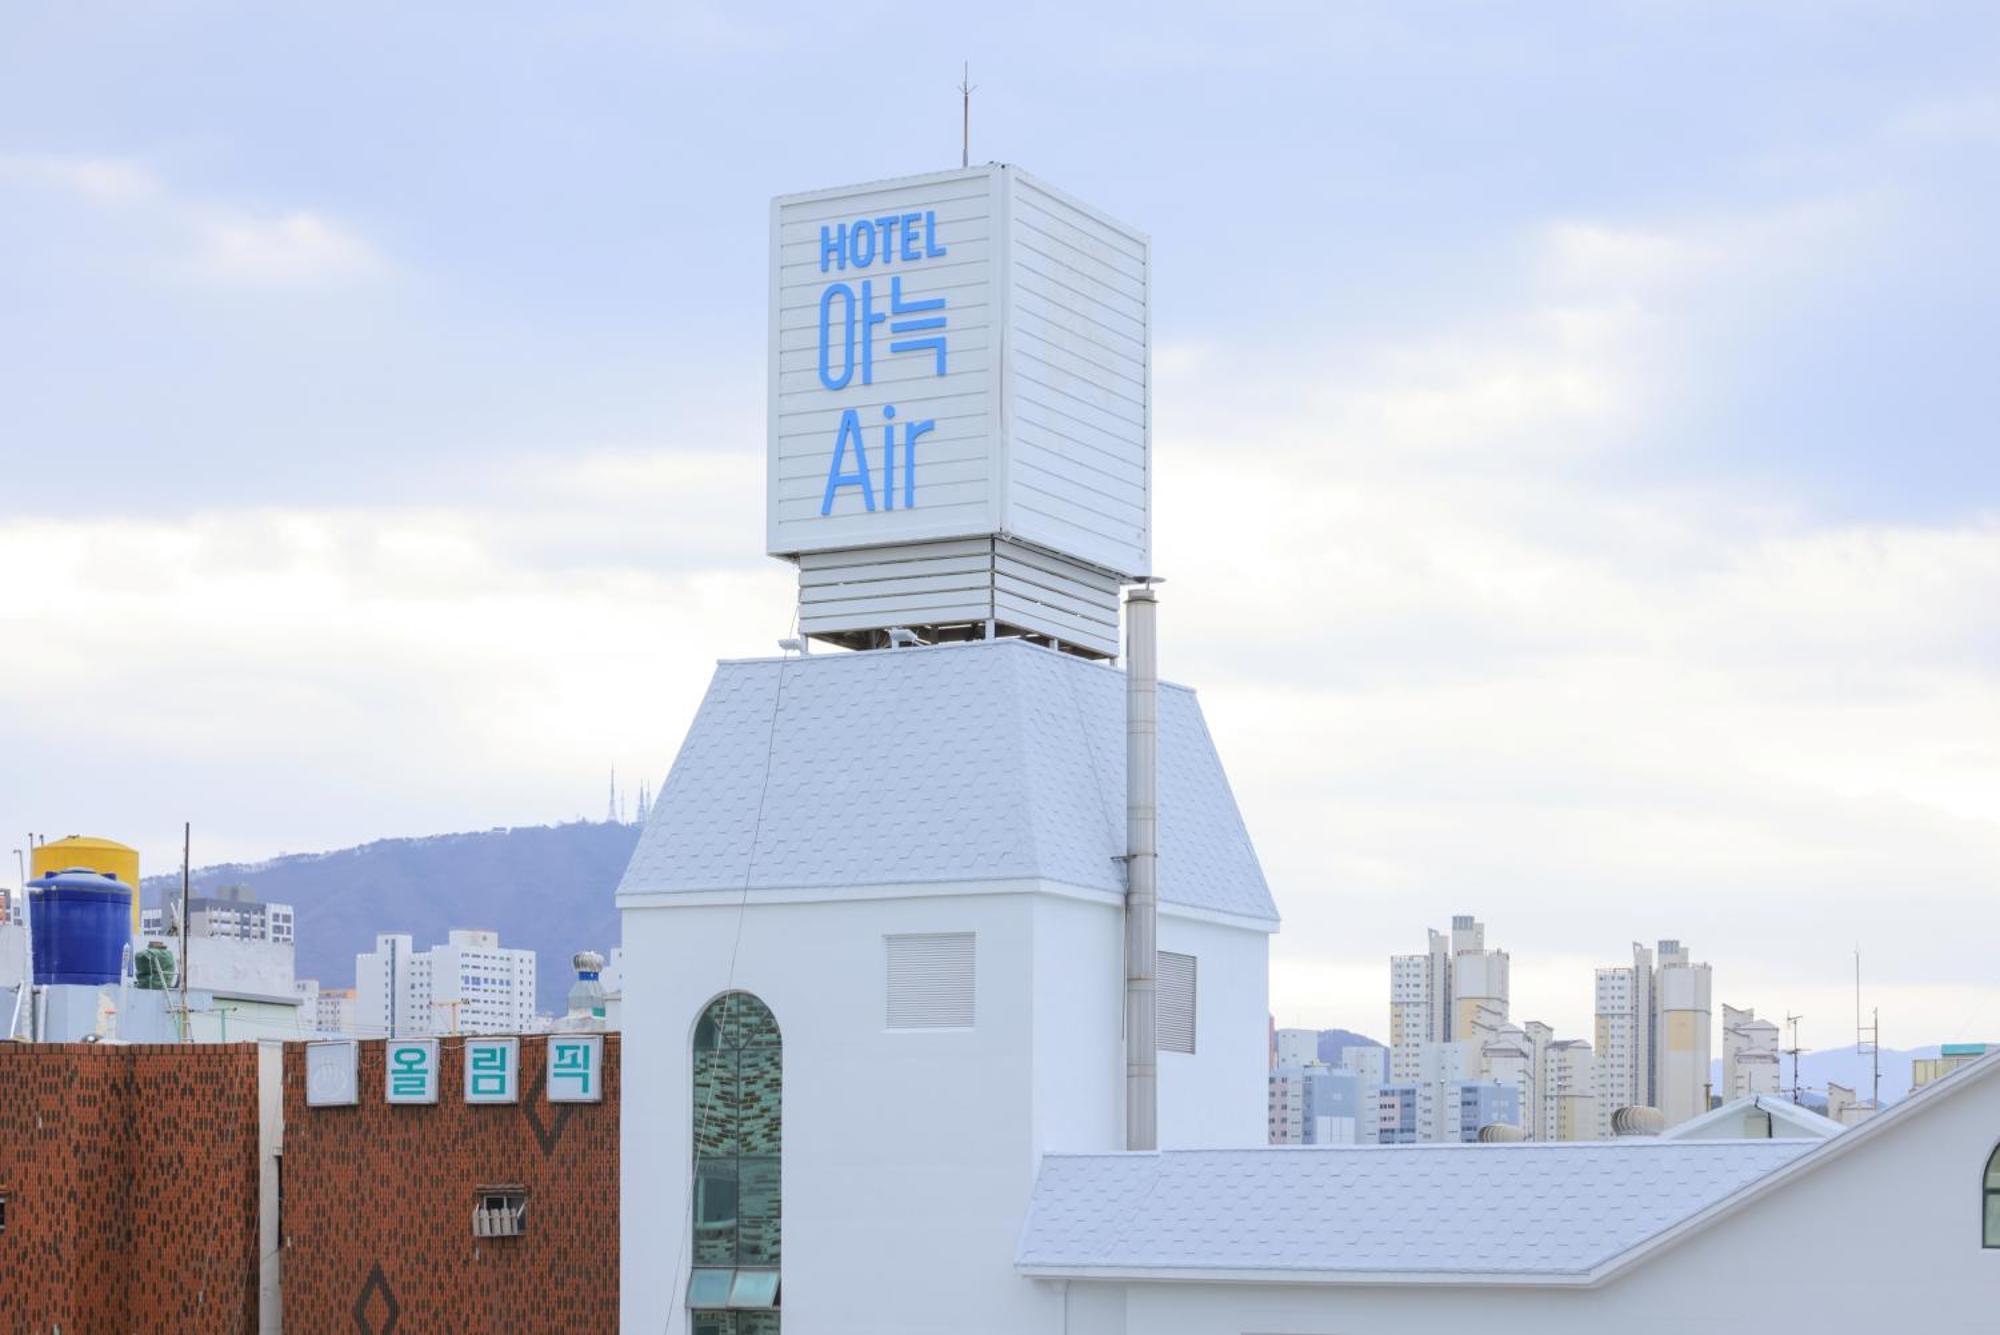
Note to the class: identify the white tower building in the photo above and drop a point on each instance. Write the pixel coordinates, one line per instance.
(470, 984)
(876, 924)
(1681, 1037)
(1624, 1004)
(1750, 1058)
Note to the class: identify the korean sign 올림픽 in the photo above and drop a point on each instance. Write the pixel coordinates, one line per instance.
(492, 1070)
(410, 1070)
(576, 1065)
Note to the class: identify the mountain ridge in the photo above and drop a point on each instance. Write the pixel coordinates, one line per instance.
(549, 888)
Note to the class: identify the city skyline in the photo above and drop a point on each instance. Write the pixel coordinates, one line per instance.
(1572, 486)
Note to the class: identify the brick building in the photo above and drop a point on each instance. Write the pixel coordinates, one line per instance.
(130, 1177)
(379, 1201)
(140, 1190)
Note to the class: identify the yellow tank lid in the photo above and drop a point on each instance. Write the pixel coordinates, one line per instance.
(83, 841)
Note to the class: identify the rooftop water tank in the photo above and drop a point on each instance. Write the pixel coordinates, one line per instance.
(82, 852)
(82, 923)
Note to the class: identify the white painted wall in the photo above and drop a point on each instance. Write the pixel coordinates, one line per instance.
(1215, 1097)
(909, 1156)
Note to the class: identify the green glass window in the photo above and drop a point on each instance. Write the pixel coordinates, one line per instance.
(1992, 1200)
(738, 1138)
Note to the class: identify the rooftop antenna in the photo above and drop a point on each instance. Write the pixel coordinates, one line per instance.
(1792, 1021)
(965, 90)
(1867, 1038)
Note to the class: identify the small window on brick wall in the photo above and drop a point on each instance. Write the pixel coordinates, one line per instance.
(1176, 1002)
(500, 1212)
(3, 1213)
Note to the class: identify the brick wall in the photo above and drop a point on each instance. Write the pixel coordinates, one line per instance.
(131, 1182)
(378, 1203)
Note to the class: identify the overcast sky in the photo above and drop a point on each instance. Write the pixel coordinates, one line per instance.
(1577, 464)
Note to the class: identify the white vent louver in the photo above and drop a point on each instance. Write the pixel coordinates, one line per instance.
(930, 980)
(1176, 1002)
(500, 1219)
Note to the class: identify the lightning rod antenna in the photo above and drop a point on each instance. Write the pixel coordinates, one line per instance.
(965, 90)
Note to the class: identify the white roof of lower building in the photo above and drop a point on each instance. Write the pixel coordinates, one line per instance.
(994, 760)
(1533, 1212)
(1727, 1122)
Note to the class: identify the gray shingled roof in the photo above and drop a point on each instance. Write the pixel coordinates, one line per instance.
(993, 760)
(1526, 1211)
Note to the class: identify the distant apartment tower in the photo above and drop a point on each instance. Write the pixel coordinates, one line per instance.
(1297, 1047)
(1924, 1070)
(232, 913)
(336, 1011)
(1323, 1105)
(1681, 1043)
(1624, 1004)
(1456, 990)
(1286, 1117)
(1483, 1103)
(470, 984)
(1749, 1055)
(1653, 1039)
(1569, 1097)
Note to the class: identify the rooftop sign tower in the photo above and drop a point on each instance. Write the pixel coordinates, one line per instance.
(960, 410)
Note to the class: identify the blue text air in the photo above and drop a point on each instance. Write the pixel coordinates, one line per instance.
(858, 474)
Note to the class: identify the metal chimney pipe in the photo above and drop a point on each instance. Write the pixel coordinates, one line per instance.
(1142, 866)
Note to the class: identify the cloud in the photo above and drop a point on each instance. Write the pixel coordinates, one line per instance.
(295, 249)
(1458, 660)
(209, 241)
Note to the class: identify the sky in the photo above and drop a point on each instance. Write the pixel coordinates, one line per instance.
(1577, 478)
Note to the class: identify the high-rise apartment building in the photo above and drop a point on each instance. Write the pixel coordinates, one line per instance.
(1749, 1055)
(1951, 1056)
(1569, 1093)
(470, 984)
(1297, 1047)
(1456, 990)
(1681, 1044)
(1556, 1080)
(335, 1010)
(232, 913)
(1653, 1039)
(1624, 1005)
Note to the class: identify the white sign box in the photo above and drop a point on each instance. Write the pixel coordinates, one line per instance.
(576, 1068)
(410, 1070)
(961, 355)
(331, 1075)
(492, 1070)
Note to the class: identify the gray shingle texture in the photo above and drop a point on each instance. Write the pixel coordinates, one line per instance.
(1526, 1210)
(994, 760)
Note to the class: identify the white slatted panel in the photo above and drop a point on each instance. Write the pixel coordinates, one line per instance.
(1176, 1002)
(930, 980)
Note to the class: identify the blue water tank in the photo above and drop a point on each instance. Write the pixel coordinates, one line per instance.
(82, 923)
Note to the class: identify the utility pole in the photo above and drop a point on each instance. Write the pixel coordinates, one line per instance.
(965, 90)
(1868, 1037)
(1793, 1052)
(27, 989)
(187, 844)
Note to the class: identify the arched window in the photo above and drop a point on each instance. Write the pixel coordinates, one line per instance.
(1992, 1200)
(738, 1124)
